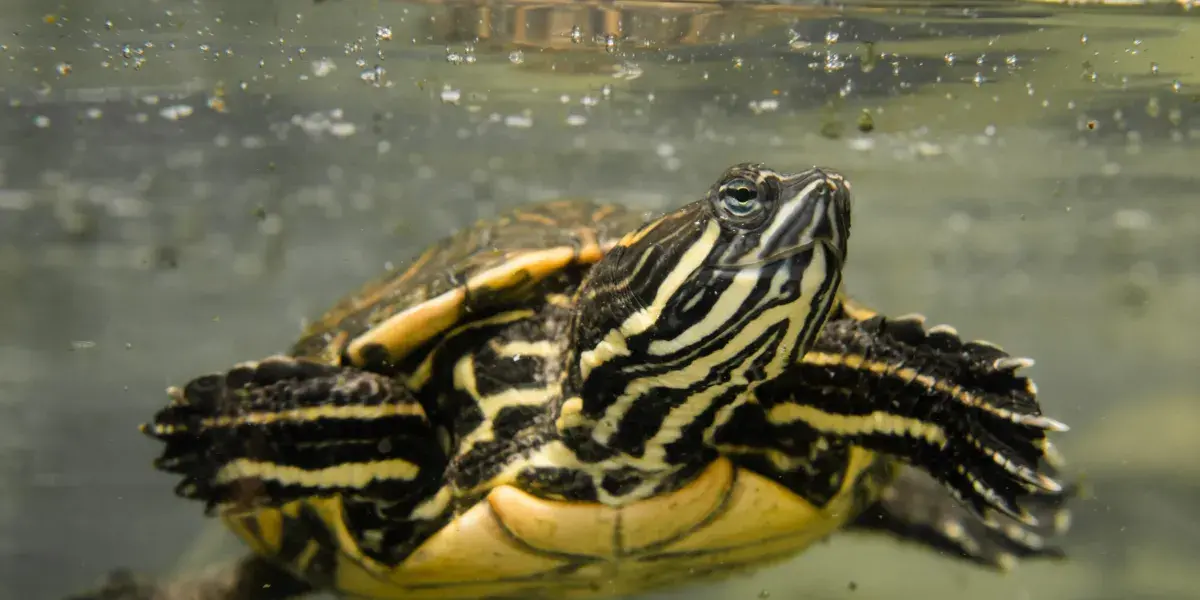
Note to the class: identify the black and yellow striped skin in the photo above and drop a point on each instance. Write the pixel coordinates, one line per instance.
(687, 316)
(577, 366)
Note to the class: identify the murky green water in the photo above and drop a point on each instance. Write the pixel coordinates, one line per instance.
(181, 183)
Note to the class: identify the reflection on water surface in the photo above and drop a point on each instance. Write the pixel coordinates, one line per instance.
(182, 183)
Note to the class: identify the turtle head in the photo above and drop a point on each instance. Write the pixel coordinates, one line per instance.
(694, 308)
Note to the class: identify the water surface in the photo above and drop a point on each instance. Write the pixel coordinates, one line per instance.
(181, 184)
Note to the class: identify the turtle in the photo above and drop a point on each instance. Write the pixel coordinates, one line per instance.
(582, 400)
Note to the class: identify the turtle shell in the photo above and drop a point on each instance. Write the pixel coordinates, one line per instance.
(471, 273)
(513, 545)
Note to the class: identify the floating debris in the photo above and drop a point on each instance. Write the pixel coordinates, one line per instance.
(176, 112)
(796, 41)
(759, 107)
(627, 71)
(450, 95)
(323, 67)
(373, 76)
(342, 130)
(866, 123)
(521, 121)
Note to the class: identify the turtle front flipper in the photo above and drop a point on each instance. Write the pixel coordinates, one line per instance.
(954, 409)
(916, 508)
(253, 578)
(267, 433)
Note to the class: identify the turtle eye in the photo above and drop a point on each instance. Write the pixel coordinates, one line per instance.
(739, 199)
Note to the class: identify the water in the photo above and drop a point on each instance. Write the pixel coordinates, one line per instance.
(181, 184)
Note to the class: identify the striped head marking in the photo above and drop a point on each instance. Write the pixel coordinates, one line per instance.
(696, 307)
